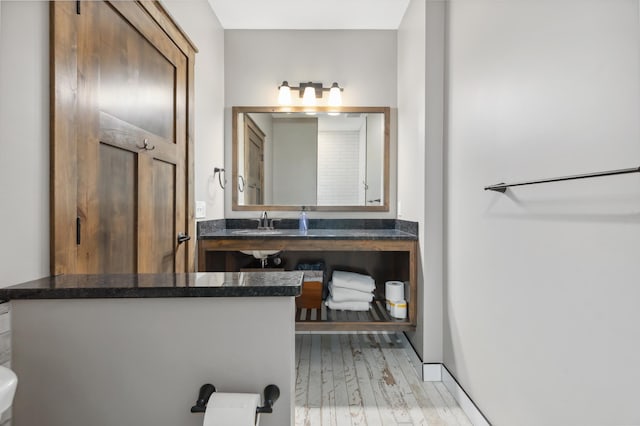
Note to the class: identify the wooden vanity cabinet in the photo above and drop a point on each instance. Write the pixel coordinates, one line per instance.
(383, 259)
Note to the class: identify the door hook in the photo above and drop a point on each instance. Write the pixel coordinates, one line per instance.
(146, 146)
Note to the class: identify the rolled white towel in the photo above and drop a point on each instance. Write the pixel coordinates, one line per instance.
(346, 306)
(341, 294)
(353, 281)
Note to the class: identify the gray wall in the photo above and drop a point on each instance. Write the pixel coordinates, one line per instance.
(200, 23)
(24, 136)
(117, 362)
(295, 165)
(24, 127)
(411, 157)
(541, 314)
(257, 61)
(421, 100)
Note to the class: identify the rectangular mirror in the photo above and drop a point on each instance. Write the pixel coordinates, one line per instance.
(327, 158)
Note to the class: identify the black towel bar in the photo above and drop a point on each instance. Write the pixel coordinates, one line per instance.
(502, 187)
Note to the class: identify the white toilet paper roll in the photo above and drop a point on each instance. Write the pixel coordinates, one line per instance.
(399, 309)
(394, 290)
(231, 409)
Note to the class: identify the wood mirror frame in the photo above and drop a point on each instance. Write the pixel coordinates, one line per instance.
(237, 110)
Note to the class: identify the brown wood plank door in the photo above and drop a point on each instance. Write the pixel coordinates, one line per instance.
(254, 162)
(131, 142)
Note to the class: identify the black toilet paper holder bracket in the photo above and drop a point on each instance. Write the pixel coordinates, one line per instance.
(271, 394)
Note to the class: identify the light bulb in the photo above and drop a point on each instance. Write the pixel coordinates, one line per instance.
(335, 97)
(284, 95)
(309, 96)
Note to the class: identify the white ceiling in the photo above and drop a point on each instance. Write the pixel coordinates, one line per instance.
(310, 14)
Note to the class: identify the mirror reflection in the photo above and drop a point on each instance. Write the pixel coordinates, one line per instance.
(323, 160)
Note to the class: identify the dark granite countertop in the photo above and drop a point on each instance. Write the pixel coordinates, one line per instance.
(202, 284)
(312, 234)
(343, 229)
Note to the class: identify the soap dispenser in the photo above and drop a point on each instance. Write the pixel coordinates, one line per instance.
(303, 221)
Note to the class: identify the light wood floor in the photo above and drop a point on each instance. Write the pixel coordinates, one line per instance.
(366, 379)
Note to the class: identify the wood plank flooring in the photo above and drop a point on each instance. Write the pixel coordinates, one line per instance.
(366, 379)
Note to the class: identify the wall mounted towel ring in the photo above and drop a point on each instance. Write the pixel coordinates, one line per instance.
(218, 171)
(241, 183)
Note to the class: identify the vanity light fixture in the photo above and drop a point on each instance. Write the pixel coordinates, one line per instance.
(309, 92)
(309, 96)
(335, 97)
(284, 94)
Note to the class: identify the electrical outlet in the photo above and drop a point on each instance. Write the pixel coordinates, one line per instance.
(201, 209)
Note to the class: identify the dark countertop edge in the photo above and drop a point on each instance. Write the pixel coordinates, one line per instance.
(407, 237)
(7, 294)
(216, 225)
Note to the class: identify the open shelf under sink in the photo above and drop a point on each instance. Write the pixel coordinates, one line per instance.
(324, 319)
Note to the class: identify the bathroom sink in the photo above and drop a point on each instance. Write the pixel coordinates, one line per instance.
(260, 254)
(257, 232)
(8, 383)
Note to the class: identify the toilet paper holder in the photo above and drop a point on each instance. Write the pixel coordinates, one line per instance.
(271, 394)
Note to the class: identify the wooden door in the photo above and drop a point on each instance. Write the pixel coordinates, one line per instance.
(129, 123)
(253, 162)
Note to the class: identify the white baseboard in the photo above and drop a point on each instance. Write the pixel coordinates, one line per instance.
(438, 373)
(467, 405)
(431, 372)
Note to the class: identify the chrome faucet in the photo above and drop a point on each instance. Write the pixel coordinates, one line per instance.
(264, 223)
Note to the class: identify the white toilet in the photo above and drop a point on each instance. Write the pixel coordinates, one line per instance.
(8, 383)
